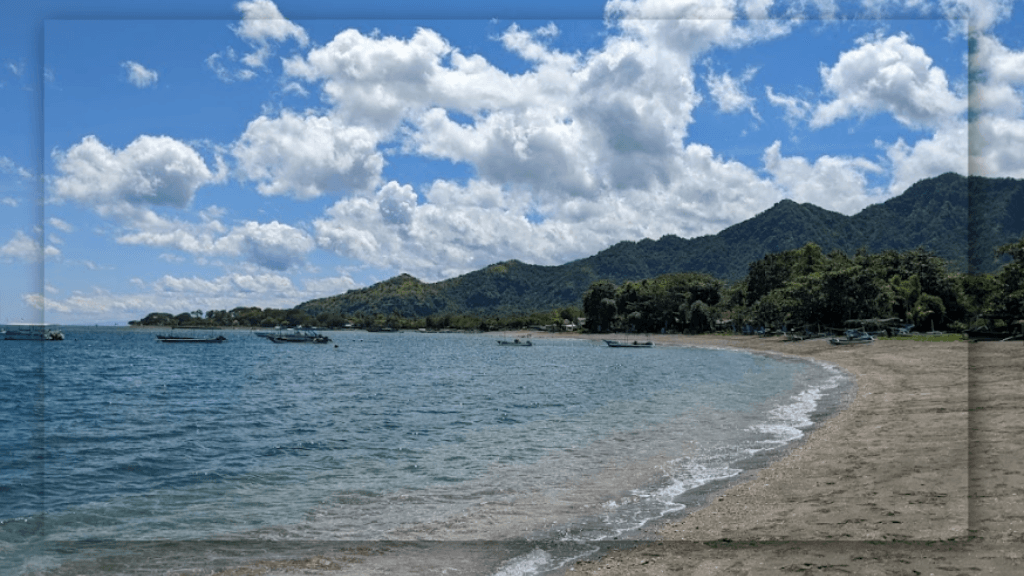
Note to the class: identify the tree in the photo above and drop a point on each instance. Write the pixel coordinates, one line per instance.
(1010, 301)
(599, 306)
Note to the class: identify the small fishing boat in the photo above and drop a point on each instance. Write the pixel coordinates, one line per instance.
(34, 332)
(633, 344)
(300, 336)
(515, 342)
(190, 339)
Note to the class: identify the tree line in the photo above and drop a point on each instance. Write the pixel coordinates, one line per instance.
(807, 288)
(793, 289)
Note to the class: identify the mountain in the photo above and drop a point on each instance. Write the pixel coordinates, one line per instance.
(935, 213)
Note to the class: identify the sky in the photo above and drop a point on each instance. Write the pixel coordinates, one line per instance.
(210, 155)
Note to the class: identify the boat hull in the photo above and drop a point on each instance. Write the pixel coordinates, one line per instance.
(635, 344)
(188, 340)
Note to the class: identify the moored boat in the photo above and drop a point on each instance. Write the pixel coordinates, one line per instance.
(33, 332)
(515, 342)
(190, 339)
(305, 335)
(633, 344)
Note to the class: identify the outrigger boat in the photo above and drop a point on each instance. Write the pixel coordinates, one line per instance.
(633, 344)
(35, 332)
(190, 339)
(305, 335)
(515, 342)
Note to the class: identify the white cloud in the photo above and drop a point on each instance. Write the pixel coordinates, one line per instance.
(216, 62)
(997, 104)
(458, 228)
(693, 26)
(61, 225)
(40, 302)
(24, 248)
(730, 93)
(150, 171)
(176, 294)
(795, 108)
(307, 155)
(229, 284)
(8, 166)
(274, 246)
(834, 183)
(976, 16)
(945, 151)
(329, 286)
(888, 75)
(139, 75)
(261, 24)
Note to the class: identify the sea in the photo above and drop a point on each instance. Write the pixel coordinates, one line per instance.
(377, 453)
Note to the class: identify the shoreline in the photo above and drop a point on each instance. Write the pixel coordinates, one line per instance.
(880, 487)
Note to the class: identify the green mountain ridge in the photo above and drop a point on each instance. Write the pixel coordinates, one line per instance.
(937, 213)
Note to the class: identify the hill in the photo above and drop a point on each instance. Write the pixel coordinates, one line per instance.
(936, 214)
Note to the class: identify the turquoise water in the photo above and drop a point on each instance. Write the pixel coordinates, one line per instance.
(123, 455)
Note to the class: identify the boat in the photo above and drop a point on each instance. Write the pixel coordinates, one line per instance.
(33, 332)
(268, 333)
(633, 344)
(190, 339)
(515, 342)
(304, 335)
(853, 337)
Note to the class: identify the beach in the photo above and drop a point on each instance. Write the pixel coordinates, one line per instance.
(921, 473)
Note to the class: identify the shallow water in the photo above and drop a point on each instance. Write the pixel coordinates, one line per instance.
(376, 453)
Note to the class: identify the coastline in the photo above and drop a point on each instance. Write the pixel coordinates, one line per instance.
(881, 487)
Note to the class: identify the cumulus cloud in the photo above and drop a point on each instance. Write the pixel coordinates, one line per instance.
(150, 171)
(997, 104)
(139, 75)
(306, 155)
(263, 28)
(274, 246)
(262, 23)
(454, 228)
(888, 75)
(835, 183)
(945, 151)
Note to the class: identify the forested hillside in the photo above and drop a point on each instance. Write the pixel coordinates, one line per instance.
(935, 214)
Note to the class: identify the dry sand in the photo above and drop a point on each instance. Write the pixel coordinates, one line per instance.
(920, 474)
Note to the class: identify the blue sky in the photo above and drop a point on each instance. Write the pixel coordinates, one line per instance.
(223, 154)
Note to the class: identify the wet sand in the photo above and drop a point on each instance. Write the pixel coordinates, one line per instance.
(920, 474)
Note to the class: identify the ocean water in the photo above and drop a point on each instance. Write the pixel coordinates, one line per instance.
(376, 454)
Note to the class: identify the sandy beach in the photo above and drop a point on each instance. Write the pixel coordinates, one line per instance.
(920, 474)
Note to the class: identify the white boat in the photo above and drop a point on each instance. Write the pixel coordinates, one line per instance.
(633, 344)
(33, 332)
(304, 335)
